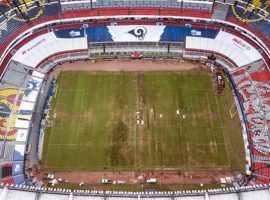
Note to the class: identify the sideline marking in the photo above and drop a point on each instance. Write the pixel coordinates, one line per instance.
(61, 78)
(217, 104)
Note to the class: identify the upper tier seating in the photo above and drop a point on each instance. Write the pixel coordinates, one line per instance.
(16, 21)
(248, 17)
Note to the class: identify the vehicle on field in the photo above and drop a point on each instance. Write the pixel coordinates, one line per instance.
(151, 181)
(106, 181)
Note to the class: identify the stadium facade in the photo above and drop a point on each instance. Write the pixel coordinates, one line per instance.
(35, 36)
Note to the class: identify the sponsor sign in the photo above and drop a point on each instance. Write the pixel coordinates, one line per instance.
(33, 46)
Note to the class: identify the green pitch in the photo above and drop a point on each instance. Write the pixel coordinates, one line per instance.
(141, 121)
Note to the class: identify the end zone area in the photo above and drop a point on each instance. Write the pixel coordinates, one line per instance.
(141, 121)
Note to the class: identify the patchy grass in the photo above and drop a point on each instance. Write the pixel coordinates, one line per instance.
(96, 128)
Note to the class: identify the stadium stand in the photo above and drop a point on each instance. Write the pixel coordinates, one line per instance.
(16, 20)
(6, 170)
(77, 5)
(253, 15)
(21, 81)
(20, 88)
(253, 88)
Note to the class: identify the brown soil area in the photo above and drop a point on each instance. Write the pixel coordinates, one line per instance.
(126, 65)
(131, 177)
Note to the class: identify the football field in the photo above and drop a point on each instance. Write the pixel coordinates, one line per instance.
(130, 121)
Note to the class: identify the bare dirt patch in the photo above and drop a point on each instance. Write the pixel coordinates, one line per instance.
(170, 177)
(126, 65)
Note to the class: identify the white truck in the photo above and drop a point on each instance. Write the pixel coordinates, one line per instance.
(151, 181)
(106, 181)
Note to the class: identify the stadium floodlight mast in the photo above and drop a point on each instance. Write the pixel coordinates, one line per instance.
(213, 5)
(60, 8)
(250, 15)
(91, 4)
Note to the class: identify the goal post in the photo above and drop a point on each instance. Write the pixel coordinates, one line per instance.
(55, 90)
(233, 110)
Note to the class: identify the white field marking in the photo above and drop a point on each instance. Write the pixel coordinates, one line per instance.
(69, 90)
(79, 126)
(60, 118)
(135, 147)
(202, 89)
(59, 90)
(53, 112)
(206, 144)
(209, 110)
(81, 74)
(179, 125)
(189, 114)
(64, 144)
(56, 90)
(216, 127)
(131, 168)
(65, 104)
(222, 128)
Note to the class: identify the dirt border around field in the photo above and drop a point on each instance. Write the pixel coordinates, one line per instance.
(163, 177)
(127, 65)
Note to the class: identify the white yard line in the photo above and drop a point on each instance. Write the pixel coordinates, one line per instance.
(222, 131)
(221, 125)
(201, 89)
(63, 144)
(79, 126)
(54, 112)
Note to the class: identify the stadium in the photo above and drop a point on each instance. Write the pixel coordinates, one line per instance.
(129, 99)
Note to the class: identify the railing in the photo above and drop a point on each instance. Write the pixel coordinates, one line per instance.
(196, 55)
(184, 4)
(61, 58)
(137, 195)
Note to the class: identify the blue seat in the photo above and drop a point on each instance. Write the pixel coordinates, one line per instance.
(256, 21)
(178, 33)
(98, 34)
